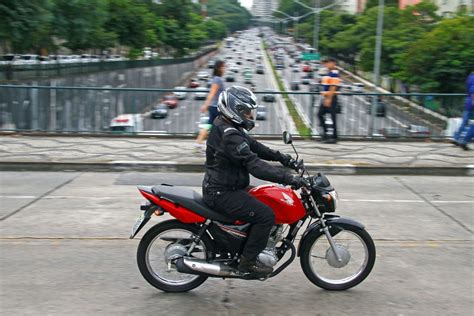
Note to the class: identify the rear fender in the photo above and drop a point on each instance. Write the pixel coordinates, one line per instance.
(334, 222)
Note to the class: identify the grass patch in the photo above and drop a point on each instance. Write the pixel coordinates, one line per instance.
(302, 128)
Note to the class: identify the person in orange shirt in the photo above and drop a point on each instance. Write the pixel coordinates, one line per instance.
(330, 85)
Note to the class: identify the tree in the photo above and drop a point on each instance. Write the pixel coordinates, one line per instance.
(230, 13)
(25, 25)
(133, 23)
(441, 59)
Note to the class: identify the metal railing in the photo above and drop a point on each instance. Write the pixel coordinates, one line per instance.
(59, 109)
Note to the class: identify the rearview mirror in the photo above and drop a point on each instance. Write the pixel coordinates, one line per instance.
(287, 138)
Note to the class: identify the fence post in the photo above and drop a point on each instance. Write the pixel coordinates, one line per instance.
(311, 111)
(373, 108)
(52, 108)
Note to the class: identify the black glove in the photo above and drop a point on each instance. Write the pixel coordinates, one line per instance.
(287, 161)
(297, 182)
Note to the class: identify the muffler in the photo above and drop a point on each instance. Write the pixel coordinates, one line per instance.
(202, 267)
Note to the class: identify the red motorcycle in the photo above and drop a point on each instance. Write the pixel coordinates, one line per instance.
(336, 253)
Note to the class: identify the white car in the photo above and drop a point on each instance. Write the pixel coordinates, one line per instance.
(358, 87)
(200, 94)
(234, 68)
(29, 59)
(180, 95)
(203, 75)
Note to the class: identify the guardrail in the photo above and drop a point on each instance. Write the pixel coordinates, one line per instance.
(59, 109)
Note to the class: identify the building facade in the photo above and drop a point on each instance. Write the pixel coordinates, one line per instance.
(352, 6)
(264, 8)
(446, 8)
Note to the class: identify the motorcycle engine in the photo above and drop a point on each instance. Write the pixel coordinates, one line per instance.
(268, 257)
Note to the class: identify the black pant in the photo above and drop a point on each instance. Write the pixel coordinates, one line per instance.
(240, 205)
(322, 113)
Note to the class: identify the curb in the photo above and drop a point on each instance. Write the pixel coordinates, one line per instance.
(170, 166)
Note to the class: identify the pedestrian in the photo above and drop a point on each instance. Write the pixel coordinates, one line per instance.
(466, 131)
(330, 85)
(210, 105)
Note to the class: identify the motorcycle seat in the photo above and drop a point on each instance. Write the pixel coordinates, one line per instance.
(190, 200)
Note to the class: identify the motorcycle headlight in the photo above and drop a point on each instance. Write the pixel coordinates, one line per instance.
(330, 200)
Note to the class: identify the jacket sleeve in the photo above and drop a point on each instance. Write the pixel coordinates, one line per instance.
(238, 149)
(264, 152)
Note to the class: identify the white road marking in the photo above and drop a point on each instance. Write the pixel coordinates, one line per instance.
(61, 197)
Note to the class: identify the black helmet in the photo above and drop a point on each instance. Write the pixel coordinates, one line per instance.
(239, 105)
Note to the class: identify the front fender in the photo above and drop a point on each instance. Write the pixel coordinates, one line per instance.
(333, 222)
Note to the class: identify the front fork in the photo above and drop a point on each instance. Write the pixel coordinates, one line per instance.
(325, 229)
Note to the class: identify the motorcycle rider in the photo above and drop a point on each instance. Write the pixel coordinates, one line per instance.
(231, 154)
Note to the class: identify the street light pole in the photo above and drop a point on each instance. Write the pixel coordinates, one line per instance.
(377, 57)
(316, 26)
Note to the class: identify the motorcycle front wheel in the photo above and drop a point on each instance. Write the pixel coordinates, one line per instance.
(356, 250)
(161, 246)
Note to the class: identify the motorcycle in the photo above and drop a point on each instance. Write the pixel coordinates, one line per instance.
(336, 253)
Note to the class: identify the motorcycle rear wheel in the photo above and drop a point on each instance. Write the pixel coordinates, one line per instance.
(155, 246)
(321, 268)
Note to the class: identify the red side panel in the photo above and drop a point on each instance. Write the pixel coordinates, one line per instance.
(284, 202)
(180, 213)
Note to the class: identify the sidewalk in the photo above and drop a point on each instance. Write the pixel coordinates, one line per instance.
(77, 153)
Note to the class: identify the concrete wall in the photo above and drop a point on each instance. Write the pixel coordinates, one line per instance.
(88, 110)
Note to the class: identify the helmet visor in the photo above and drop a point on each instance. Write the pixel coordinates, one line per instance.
(250, 114)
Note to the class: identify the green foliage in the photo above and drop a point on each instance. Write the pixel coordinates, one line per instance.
(173, 25)
(230, 13)
(441, 59)
(25, 25)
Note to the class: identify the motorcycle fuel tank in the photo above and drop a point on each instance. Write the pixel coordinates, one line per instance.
(284, 202)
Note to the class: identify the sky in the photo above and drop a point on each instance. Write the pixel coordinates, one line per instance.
(246, 3)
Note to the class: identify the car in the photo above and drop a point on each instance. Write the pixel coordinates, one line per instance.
(29, 59)
(269, 97)
(181, 95)
(357, 87)
(307, 68)
(234, 68)
(200, 94)
(295, 85)
(418, 131)
(280, 65)
(248, 77)
(171, 100)
(238, 62)
(391, 132)
(193, 83)
(250, 58)
(203, 75)
(295, 68)
(211, 63)
(230, 77)
(9, 59)
(159, 111)
(381, 109)
(127, 123)
(228, 57)
(305, 80)
(260, 69)
(261, 113)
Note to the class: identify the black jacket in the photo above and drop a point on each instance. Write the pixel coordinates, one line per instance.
(231, 155)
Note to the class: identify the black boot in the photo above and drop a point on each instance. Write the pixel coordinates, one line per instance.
(251, 266)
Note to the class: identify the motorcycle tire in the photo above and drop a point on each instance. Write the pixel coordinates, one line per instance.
(314, 278)
(147, 240)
